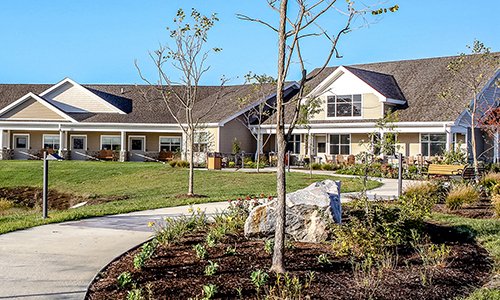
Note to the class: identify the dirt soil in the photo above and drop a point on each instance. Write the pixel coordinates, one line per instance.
(480, 210)
(31, 197)
(174, 272)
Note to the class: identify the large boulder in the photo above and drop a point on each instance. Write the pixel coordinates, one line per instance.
(308, 212)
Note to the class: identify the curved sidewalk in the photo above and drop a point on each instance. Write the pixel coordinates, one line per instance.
(58, 261)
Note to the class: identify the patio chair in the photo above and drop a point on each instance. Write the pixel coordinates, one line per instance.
(105, 155)
(329, 159)
(340, 159)
(351, 160)
(166, 156)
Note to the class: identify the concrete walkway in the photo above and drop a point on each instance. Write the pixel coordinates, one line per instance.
(58, 261)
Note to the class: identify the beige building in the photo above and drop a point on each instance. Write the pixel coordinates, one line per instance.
(130, 122)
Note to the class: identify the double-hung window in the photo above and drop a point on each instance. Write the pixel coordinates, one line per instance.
(51, 142)
(340, 144)
(202, 141)
(170, 144)
(111, 143)
(293, 144)
(344, 106)
(432, 144)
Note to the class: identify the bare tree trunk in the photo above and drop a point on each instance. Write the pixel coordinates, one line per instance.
(473, 140)
(191, 162)
(279, 236)
(259, 146)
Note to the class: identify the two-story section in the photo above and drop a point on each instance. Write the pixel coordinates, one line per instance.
(353, 98)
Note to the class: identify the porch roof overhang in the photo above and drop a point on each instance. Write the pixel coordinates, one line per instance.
(370, 127)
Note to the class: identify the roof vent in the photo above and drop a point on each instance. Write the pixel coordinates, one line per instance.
(122, 91)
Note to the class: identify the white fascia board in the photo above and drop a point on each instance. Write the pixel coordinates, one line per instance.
(89, 93)
(394, 101)
(40, 100)
(249, 106)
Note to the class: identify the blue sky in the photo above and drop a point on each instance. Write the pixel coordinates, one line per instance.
(98, 41)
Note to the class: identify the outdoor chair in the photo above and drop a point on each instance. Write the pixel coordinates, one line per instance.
(329, 159)
(166, 156)
(340, 159)
(351, 160)
(106, 155)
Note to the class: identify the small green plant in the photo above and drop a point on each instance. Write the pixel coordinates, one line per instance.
(289, 245)
(327, 167)
(324, 260)
(240, 292)
(209, 291)
(231, 164)
(201, 251)
(175, 228)
(490, 180)
(135, 294)
(211, 268)
(5, 204)
(495, 190)
(172, 163)
(269, 246)
(124, 279)
(460, 195)
(432, 256)
(286, 287)
(316, 166)
(259, 279)
(210, 240)
(147, 250)
(231, 250)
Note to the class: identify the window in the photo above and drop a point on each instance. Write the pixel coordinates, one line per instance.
(293, 144)
(21, 142)
(51, 142)
(202, 142)
(344, 106)
(340, 144)
(321, 147)
(110, 143)
(432, 144)
(172, 144)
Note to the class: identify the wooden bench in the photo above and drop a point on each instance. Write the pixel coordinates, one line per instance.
(106, 155)
(445, 170)
(166, 156)
(469, 173)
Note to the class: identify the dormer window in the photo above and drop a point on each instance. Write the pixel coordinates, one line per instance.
(344, 106)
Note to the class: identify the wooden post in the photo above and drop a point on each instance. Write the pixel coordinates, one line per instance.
(400, 174)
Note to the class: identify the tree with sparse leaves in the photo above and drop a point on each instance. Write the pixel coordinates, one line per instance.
(185, 59)
(297, 21)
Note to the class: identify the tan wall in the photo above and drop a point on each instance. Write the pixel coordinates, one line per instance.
(359, 143)
(236, 129)
(408, 144)
(372, 107)
(79, 98)
(32, 109)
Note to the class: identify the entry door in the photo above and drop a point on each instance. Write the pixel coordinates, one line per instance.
(78, 147)
(137, 148)
(21, 146)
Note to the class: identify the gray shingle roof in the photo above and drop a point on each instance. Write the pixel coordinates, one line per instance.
(420, 82)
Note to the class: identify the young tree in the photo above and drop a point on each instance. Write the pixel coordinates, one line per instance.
(298, 22)
(261, 87)
(308, 110)
(472, 72)
(186, 58)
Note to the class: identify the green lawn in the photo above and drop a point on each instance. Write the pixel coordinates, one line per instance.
(148, 186)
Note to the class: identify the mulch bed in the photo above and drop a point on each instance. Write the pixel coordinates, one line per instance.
(480, 210)
(174, 272)
(31, 197)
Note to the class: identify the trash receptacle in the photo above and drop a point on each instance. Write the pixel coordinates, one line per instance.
(214, 161)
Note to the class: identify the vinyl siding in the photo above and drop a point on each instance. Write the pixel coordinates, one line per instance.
(236, 129)
(75, 99)
(31, 109)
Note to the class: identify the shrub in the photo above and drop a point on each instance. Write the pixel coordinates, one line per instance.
(182, 164)
(175, 228)
(460, 195)
(5, 204)
(259, 278)
(316, 166)
(427, 191)
(269, 246)
(495, 190)
(490, 180)
(172, 163)
(124, 279)
(135, 294)
(327, 167)
(323, 259)
(147, 250)
(209, 291)
(495, 200)
(231, 164)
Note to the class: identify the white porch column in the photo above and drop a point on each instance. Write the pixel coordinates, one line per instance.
(449, 139)
(8, 139)
(61, 143)
(1, 139)
(123, 146)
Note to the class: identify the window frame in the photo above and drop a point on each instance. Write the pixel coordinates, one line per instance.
(28, 137)
(429, 142)
(111, 136)
(335, 103)
(52, 136)
(130, 137)
(294, 142)
(170, 146)
(339, 144)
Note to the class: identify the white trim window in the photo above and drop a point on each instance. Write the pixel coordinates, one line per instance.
(340, 144)
(51, 142)
(293, 144)
(432, 144)
(202, 141)
(344, 106)
(170, 143)
(111, 142)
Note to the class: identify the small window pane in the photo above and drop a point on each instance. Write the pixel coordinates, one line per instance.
(334, 139)
(344, 139)
(356, 98)
(21, 142)
(136, 145)
(334, 149)
(344, 150)
(321, 147)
